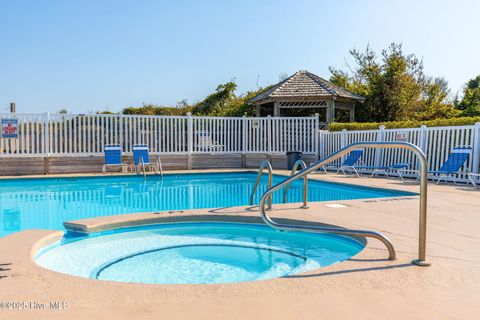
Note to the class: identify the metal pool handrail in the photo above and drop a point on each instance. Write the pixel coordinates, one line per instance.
(264, 165)
(142, 164)
(372, 234)
(298, 163)
(160, 167)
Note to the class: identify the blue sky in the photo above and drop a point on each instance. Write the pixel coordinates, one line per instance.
(96, 55)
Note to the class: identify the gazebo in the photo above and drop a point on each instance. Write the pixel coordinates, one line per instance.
(306, 90)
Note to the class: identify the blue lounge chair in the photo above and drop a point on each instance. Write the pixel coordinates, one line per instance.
(349, 163)
(385, 170)
(113, 158)
(455, 161)
(141, 158)
(472, 177)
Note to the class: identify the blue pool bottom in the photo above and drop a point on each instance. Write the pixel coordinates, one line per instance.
(45, 203)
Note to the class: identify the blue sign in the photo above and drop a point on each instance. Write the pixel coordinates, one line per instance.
(10, 128)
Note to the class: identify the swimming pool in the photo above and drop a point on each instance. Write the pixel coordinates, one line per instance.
(45, 203)
(196, 253)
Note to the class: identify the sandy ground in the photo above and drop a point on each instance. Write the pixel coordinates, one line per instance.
(368, 286)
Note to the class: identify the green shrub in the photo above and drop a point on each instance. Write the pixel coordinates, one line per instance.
(154, 110)
(463, 121)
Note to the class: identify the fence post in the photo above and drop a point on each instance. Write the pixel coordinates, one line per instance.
(321, 143)
(269, 135)
(244, 141)
(422, 140)
(343, 141)
(47, 143)
(379, 152)
(189, 140)
(476, 148)
(120, 131)
(316, 134)
(47, 134)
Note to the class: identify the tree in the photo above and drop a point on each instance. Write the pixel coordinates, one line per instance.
(182, 104)
(394, 86)
(435, 103)
(470, 103)
(217, 103)
(282, 76)
(223, 102)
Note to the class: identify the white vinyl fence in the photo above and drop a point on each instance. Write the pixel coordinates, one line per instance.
(436, 142)
(44, 134)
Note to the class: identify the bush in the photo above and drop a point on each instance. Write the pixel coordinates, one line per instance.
(154, 110)
(222, 103)
(463, 121)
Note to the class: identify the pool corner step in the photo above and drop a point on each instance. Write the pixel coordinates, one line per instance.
(106, 223)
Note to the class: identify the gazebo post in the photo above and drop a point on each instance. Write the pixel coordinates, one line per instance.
(330, 117)
(276, 109)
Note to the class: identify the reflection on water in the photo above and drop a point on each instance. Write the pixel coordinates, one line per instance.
(11, 220)
(47, 203)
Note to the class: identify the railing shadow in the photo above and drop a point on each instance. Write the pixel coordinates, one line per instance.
(253, 208)
(468, 188)
(339, 272)
(2, 269)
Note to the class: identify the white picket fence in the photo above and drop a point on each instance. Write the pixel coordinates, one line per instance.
(436, 142)
(79, 134)
(44, 134)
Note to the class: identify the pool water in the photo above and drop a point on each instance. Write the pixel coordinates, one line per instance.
(196, 253)
(45, 203)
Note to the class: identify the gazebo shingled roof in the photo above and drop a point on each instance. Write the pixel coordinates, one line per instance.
(305, 86)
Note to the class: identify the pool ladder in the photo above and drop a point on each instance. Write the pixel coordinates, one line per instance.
(267, 197)
(267, 165)
(264, 165)
(142, 165)
(302, 164)
(159, 167)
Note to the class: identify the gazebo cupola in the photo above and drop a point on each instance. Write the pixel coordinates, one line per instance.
(304, 90)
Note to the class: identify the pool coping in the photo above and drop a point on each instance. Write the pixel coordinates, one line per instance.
(278, 173)
(128, 174)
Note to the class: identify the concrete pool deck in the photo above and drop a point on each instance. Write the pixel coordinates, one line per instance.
(368, 286)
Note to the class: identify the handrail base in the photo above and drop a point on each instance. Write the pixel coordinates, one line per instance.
(421, 263)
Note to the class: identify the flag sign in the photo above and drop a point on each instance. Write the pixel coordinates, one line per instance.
(401, 136)
(9, 128)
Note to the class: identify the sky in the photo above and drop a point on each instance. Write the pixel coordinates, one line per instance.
(93, 55)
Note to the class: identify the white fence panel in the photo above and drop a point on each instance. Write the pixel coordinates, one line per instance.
(216, 135)
(278, 135)
(436, 142)
(32, 135)
(165, 134)
(80, 134)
